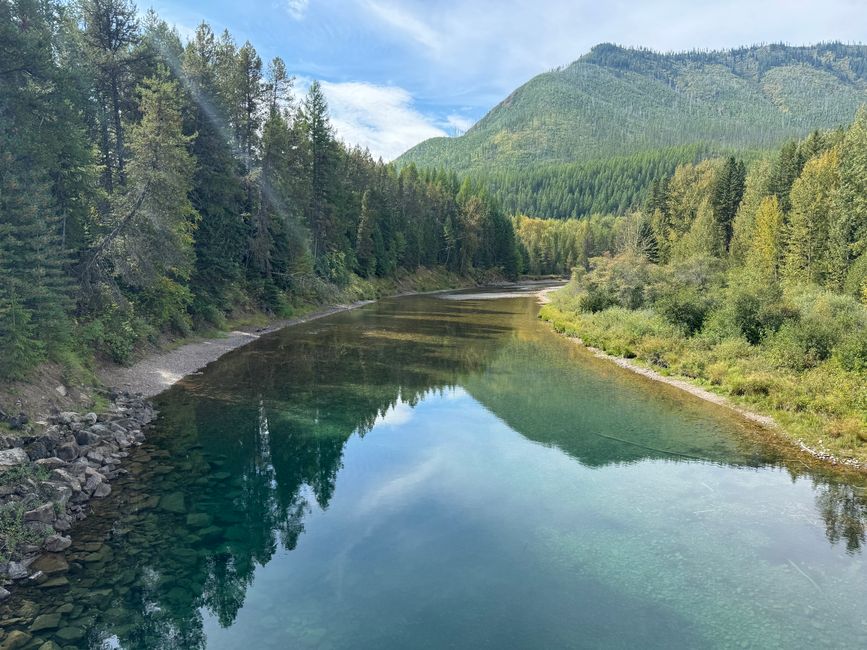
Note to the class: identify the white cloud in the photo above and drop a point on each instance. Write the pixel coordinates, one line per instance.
(406, 23)
(381, 118)
(477, 52)
(297, 8)
(459, 123)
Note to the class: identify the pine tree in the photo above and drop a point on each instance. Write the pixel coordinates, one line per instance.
(217, 194)
(364, 247)
(111, 32)
(323, 162)
(35, 288)
(150, 236)
(726, 195)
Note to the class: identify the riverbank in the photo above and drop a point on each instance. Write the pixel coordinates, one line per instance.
(157, 372)
(782, 425)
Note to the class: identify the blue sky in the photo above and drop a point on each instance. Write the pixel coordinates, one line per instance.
(399, 71)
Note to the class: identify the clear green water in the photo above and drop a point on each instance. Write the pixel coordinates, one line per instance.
(430, 473)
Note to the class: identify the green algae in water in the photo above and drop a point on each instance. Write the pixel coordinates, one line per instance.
(434, 473)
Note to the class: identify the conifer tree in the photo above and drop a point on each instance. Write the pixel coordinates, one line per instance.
(809, 219)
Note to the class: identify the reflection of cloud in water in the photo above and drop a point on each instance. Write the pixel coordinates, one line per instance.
(402, 487)
(401, 411)
(396, 415)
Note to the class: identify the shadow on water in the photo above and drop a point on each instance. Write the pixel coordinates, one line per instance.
(245, 452)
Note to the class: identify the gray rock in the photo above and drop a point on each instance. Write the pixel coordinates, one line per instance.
(37, 450)
(62, 525)
(52, 462)
(4, 594)
(44, 514)
(100, 430)
(102, 490)
(86, 437)
(57, 543)
(18, 570)
(13, 458)
(68, 451)
(65, 477)
(90, 418)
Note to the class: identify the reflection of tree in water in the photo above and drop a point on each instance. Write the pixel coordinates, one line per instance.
(844, 511)
(253, 447)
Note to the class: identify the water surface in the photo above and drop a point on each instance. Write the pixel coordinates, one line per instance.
(444, 471)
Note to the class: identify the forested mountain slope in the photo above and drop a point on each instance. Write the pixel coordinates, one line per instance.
(615, 101)
(590, 138)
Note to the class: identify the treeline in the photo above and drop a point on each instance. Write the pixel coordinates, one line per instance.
(751, 281)
(839, 59)
(150, 185)
(607, 186)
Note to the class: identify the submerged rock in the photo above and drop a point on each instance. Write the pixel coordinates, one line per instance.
(173, 502)
(15, 639)
(45, 622)
(71, 633)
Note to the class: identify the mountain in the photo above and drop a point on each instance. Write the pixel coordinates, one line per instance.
(616, 103)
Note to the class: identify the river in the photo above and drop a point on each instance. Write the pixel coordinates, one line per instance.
(445, 471)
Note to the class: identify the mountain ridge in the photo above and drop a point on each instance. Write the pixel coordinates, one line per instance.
(615, 101)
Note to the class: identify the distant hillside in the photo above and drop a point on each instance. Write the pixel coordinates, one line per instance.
(617, 102)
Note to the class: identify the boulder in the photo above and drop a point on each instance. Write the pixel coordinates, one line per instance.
(63, 476)
(71, 633)
(44, 514)
(15, 639)
(37, 450)
(51, 563)
(57, 543)
(4, 594)
(68, 451)
(18, 570)
(86, 437)
(52, 462)
(13, 458)
(102, 490)
(45, 622)
(173, 502)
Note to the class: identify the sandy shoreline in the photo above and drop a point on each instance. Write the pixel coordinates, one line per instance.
(765, 421)
(155, 373)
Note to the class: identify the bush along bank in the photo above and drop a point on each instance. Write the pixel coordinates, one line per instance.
(48, 477)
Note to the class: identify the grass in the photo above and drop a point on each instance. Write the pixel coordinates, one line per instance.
(14, 533)
(824, 406)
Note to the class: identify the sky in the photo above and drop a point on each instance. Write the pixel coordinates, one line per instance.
(396, 72)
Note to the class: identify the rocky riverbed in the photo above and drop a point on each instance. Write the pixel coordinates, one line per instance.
(49, 472)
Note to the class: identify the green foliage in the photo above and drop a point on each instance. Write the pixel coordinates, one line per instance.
(149, 187)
